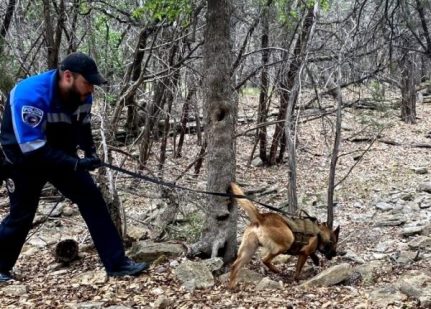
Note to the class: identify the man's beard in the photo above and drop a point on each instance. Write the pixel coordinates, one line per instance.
(73, 97)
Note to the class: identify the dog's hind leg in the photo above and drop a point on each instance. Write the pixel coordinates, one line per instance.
(267, 261)
(301, 261)
(315, 259)
(248, 247)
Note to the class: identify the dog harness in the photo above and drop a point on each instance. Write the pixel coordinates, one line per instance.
(303, 229)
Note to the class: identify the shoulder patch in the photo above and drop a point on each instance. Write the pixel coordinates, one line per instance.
(31, 115)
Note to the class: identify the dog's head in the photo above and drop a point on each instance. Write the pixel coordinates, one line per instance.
(328, 240)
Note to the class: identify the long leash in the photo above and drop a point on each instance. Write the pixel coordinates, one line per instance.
(175, 186)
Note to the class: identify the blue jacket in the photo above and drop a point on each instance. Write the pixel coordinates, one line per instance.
(36, 125)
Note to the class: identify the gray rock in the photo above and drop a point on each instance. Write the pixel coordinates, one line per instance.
(51, 209)
(257, 162)
(385, 296)
(386, 246)
(412, 230)
(268, 284)
(245, 275)
(15, 290)
(420, 242)
(420, 170)
(213, 264)
(69, 211)
(330, 276)
(162, 302)
(371, 271)
(384, 206)
(194, 275)
(406, 257)
(147, 251)
(425, 187)
(418, 286)
(390, 220)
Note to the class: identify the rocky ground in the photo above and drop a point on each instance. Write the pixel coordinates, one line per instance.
(383, 208)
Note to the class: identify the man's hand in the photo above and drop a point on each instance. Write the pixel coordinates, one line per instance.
(88, 164)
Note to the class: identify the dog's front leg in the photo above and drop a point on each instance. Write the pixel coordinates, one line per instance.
(301, 261)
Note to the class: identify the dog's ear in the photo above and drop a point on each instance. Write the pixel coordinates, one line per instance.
(337, 232)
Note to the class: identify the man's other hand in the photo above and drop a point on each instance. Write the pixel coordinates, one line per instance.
(88, 164)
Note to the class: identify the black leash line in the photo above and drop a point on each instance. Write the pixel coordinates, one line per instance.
(174, 186)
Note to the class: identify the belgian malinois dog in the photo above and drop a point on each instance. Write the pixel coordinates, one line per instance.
(274, 232)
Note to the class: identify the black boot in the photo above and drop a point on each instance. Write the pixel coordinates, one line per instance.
(128, 268)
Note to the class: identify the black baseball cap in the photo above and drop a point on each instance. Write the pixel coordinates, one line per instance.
(85, 65)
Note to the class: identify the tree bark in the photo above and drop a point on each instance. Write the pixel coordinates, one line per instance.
(408, 91)
(219, 232)
(6, 23)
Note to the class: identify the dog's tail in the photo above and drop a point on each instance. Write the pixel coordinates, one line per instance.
(244, 203)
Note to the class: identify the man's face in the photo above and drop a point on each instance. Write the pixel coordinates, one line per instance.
(79, 89)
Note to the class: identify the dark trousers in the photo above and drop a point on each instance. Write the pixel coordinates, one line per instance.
(80, 188)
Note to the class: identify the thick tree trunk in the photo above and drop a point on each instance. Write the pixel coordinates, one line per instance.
(53, 36)
(219, 233)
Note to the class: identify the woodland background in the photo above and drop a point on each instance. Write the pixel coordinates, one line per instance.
(315, 105)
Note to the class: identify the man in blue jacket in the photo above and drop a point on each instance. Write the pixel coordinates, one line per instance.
(46, 119)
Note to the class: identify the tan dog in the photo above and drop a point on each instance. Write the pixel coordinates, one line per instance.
(273, 232)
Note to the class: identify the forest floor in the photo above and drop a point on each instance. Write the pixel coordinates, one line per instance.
(384, 170)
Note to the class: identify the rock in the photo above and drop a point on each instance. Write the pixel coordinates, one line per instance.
(15, 290)
(412, 230)
(420, 242)
(390, 220)
(87, 305)
(420, 170)
(425, 187)
(213, 264)
(330, 276)
(384, 206)
(162, 302)
(385, 296)
(70, 211)
(91, 278)
(257, 162)
(194, 275)
(353, 256)
(245, 275)
(268, 284)
(370, 271)
(136, 232)
(386, 246)
(417, 285)
(406, 257)
(51, 209)
(147, 251)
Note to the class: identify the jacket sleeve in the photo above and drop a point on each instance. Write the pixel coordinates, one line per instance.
(54, 157)
(29, 116)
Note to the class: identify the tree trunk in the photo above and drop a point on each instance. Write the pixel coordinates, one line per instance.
(184, 119)
(219, 233)
(408, 91)
(335, 151)
(53, 36)
(288, 76)
(262, 113)
(6, 23)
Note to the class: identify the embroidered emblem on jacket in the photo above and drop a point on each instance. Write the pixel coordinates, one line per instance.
(31, 115)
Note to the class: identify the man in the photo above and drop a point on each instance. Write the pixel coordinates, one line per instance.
(46, 118)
